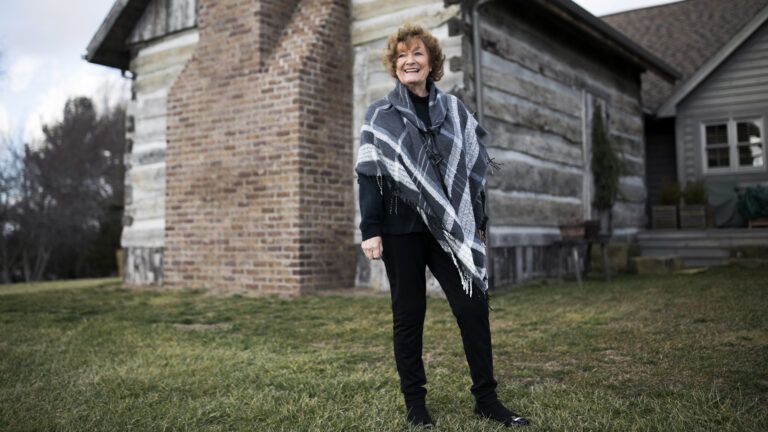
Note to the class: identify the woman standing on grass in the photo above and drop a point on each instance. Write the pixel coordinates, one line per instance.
(421, 169)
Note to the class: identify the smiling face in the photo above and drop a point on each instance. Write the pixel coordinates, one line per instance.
(412, 66)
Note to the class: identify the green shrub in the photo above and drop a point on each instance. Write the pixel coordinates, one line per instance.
(606, 165)
(670, 193)
(695, 193)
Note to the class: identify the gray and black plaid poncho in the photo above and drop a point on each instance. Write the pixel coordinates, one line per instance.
(438, 169)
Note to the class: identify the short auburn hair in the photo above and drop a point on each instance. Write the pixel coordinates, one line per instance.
(405, 34)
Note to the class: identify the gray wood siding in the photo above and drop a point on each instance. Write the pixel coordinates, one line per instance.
(539, 97)
(738, 88)
(164, 17)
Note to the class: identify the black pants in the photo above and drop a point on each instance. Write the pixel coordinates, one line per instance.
(405, 257)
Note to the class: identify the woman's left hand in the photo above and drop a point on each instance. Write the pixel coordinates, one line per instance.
(481, 233)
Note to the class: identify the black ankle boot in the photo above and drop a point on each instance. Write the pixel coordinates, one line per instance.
(419, 416)
(497, 411)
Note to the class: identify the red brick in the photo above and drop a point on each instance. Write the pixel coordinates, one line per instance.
(267, 96)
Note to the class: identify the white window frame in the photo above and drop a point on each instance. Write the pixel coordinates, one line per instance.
(733, 146)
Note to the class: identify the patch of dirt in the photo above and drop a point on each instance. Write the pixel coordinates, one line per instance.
(202, 327)
(351, 292)
(615, 356)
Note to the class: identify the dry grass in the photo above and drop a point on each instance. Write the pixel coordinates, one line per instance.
(680, 352)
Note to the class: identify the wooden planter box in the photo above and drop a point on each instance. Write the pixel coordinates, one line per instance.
(572, 231)
(693, 216)
(664, 217)
(760, 222)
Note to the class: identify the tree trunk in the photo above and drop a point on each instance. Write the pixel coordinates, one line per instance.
(25, 266)
(41, 261)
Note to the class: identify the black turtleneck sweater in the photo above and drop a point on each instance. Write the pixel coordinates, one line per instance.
(376, 217)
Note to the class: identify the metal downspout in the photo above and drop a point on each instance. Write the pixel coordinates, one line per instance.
(478, 70)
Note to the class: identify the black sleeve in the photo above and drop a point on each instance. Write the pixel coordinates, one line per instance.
(481, 218)
(371, 206)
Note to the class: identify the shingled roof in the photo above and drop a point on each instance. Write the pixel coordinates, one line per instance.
(684, 34)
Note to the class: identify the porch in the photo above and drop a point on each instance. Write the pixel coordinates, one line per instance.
(708, 247)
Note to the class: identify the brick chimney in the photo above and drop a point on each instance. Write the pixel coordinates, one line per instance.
(259, 154)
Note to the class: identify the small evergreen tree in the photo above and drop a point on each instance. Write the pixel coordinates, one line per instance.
(606, 165)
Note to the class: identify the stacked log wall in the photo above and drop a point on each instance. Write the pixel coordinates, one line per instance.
(539, 95)
(161, 44)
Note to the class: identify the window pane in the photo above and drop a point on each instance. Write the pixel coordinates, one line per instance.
(751, 155)
(748, 132)
(717, 134)
(718, 157)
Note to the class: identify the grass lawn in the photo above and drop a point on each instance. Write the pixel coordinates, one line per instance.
(664, 353)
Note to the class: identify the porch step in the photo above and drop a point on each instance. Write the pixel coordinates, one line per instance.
(694, 257)
(699, 248)
(691, 252)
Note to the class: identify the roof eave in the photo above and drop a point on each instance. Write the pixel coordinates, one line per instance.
(617, 40)
(108, 45)
(669, 107)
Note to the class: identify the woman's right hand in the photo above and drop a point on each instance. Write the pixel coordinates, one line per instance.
(372, 248)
